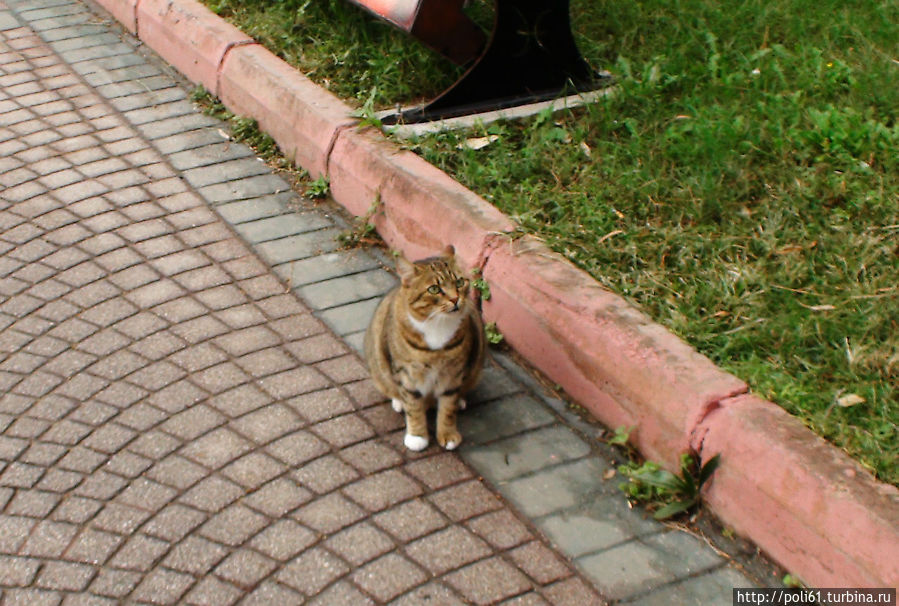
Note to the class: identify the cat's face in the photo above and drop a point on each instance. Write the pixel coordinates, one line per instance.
(433, 286)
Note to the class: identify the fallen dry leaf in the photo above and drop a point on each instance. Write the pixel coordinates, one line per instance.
(477, 143)
(850, 399)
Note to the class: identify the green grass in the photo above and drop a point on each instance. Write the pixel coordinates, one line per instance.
(342, 48)
(741, 186)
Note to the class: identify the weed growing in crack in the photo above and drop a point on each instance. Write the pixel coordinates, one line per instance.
(363, 232)
(318, 188)
(663, 492)
(494, 336)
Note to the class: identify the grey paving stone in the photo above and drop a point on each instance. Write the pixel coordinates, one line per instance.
(301, 246)
(122, 74)
(501, 418)
(253, 209)
(557, 488)
(705, 589)
(275, 228)
(208, 154)
(356, 340)
(626, 570)
(350, 318)
(159, 108)
(169, 126)
(61, 10)
(598, 525)
(495, 382)
(526, 453)
(347, 289)
(68, 45)
(686, 553)
(190, 140)
(324, 267)
(223, 172)
(245, 188)
(96, 52)
(7, 21)
(107, 63)
(127, 88)
(640, 565)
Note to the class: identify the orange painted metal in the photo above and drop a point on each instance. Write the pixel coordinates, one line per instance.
(440, 24)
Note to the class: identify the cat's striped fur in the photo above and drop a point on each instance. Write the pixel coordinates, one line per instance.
(425, 344)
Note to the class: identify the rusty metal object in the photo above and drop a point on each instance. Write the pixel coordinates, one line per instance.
(440, 24)
(530, 56)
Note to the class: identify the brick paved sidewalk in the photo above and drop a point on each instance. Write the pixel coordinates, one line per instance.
(184, 419)
(176, 425)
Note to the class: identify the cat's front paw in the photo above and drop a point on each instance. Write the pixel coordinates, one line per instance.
(397, 404)
(415, 443)
(461, 404)
(449, 439)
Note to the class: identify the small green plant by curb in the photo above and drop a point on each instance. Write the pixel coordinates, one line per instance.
(622, 436)
(243, 130)
(366, 113)
(665, 493)
(364, 232)
(480, 284)
(494, 336)
(319, 188)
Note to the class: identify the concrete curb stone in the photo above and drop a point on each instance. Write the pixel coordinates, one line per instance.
(189, 36)
(416, 207)
(124, 11)
(788, 474)
(303, 118)
(626, 369)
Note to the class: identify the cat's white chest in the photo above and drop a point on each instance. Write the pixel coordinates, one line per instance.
(438, 329)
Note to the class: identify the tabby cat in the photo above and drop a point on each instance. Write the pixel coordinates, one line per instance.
(425, 344)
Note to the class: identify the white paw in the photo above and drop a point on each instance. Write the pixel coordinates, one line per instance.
(415, 443)
(397, 404)
(462, 404)
(451, 445)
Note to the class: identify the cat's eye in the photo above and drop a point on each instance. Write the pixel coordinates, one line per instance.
(460, 282)
(434, 289)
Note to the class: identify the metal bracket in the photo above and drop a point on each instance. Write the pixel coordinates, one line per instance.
(530, 56)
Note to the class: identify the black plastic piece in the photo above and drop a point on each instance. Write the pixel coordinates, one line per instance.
(531, 56)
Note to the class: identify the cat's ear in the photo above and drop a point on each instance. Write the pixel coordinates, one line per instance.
(449, 252)
(405, 269)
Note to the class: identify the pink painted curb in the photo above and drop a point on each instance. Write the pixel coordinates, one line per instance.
(124, 11)
(302, 117)
(189, 36)
(797, 497)
(624, 368)
(419, 208)
(812, 507)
